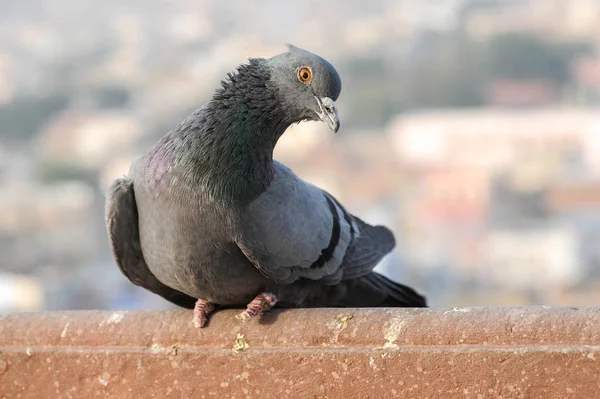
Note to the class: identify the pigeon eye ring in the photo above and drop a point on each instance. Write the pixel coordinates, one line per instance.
(304, 74)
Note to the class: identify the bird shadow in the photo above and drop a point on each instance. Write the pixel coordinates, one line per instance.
(271, 316)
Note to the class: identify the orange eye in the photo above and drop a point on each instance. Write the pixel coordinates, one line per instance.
(304, 75)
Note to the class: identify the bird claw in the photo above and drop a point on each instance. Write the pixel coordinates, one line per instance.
(260, 304)
(201, 311)
(244, 316)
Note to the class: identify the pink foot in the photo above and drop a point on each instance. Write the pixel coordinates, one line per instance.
(261, 303)
(201, 312)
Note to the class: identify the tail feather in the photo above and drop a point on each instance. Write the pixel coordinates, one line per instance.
(376, 290)
(397, 295)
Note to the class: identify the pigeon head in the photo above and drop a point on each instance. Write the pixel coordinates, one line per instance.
(227, 145)
(307, 85)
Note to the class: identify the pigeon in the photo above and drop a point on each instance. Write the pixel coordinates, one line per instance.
(207, 219)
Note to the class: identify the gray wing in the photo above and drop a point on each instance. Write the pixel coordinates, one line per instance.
(296, 230)
(123, 234)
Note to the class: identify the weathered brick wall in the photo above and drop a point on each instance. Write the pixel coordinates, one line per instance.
(534, 352)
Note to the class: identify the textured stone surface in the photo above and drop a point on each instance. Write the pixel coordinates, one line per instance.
(535, 352)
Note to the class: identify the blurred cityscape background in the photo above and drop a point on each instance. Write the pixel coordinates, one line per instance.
(470, 127)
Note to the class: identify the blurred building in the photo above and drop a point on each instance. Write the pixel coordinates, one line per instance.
(489, 138)
(20, 294)
(578, 18)
(545, 256)
(87, 140)
(488, 192)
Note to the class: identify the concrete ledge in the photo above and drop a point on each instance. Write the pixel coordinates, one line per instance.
(533, 352)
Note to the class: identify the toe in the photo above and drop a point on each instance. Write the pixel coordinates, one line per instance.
(199, 321)
(260, 304)
(244, 316)
(201, 312)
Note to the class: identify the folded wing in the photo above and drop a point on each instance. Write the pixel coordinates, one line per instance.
(296, 230)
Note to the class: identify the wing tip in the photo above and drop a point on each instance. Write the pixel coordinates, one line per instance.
(386, 236)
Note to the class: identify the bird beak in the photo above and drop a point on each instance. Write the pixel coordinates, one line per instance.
(328, 113)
